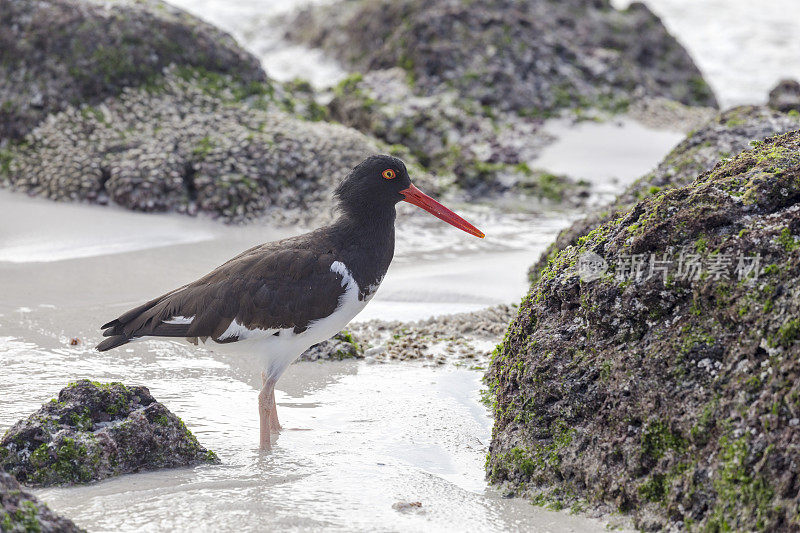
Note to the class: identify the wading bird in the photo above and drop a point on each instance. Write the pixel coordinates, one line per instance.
(277, 299)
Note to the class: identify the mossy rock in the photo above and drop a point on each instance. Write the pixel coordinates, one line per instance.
(56, 53)
(341, 346)
(97, 430)
(446, 134)
(669, 396)
(725, 136)
(468, 94)
(511, 56)
(22, 512)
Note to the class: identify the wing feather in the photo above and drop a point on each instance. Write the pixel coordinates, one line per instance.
(266, 287)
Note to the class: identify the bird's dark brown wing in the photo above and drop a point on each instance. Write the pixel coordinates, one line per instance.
(272, 286)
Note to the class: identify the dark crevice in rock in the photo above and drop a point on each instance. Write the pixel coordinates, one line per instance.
(105, 175)
(189, 173)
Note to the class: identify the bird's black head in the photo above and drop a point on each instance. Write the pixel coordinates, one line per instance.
(377, 184)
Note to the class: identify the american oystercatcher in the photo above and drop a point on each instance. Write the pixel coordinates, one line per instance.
(277, 299)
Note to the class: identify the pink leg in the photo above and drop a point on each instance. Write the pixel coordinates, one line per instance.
(274, 424)
(266, 402)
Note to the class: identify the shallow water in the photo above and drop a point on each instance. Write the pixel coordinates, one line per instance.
(359, 439)
(608, 154)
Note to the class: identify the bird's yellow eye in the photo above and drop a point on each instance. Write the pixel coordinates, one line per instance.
(388, 174)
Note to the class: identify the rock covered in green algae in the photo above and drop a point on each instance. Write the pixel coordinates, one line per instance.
(21, 512)
(449, 134)
(724, 136)
(341, 346)
(468, 93)
(54, 53)
(94, 431)
(531, 57)
(190, 142)
(677, 399)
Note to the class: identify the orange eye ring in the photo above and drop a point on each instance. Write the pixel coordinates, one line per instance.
(388, 174)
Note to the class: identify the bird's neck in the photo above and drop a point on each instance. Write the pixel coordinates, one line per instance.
(367, 245)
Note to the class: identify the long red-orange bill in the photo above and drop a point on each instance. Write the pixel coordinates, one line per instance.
(420, 199)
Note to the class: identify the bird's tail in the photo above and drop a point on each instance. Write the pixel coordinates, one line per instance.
(141, 321)
(112, 342)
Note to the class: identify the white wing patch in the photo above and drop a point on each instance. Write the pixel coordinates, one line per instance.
(348, 282)
(179, 320)
(347, 279)
(236, 329)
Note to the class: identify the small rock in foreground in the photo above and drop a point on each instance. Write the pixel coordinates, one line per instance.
(20, 511)
(94, 431)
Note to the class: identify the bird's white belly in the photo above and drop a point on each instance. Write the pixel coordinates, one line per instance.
(276, 349)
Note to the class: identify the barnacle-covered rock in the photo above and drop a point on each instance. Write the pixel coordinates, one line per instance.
(94, 431)
(55, 53)
(341, 346)
(460, 338)
(190, 143)
(532, 57)
(724, 136)
(654, 367)
(449, 134)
